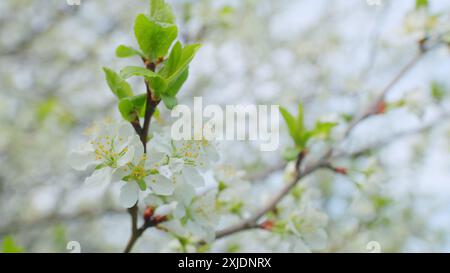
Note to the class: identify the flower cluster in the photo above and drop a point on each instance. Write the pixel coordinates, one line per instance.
(299, 220)
(169, 175)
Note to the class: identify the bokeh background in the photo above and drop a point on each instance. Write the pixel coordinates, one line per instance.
(334, 56)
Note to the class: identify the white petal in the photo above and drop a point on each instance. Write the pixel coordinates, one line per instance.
(125, 137)
(165, 209)
(211, 152)
(193, 177)
(202, 232)
(180, 211)
(174, 226)
(184, 192)
(299, 246)
(127, 157)
(135, 141)
(153, 157)
(82, 158)
(160, 144)
(125, 130)
(100, 176)
(119, 173)
(129, 194)
(165, 171)
(176, 164)
(152, 200)
(316, 240)
(161, 185)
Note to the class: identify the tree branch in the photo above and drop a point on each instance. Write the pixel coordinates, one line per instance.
(142, 131)
(251, 222)
(324, 161)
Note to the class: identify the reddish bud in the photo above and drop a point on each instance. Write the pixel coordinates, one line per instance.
(380, 108)
(159, 219)
(267, 225)
(148, 213)
(342, 171)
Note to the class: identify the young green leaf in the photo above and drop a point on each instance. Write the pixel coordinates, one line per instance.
(323, 129)
(160, 11)
(421, 4)
(176, 83)
(291, 123)
(157, 83)
(300, 118)
(132, 107)
(291, 153)
(124, 51)
(172, 62)
(139, 103)
(126, 109)
(118, 86)
(187, 55)
(138, 71)
(437, 91)
(169, 102)
(9, 245)
(154, 38)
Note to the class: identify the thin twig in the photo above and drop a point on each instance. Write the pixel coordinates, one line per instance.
(142, 131)
(323, 162)
(252, 222)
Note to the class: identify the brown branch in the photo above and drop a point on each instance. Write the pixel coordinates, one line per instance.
(374, 107)
(142, 131)
(395, 137)
(252, 222)
(323, 162)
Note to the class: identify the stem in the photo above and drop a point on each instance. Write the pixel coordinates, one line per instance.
(252, 222)
(150, 108)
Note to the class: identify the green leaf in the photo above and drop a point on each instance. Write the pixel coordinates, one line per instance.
(132, 107)
(118, 86)
(437, 91)
(291, 123)
(323, 129)
(176, 83)
(45, 108)
(305, 137)
(291, 153)
(124, 51)
(138, 71)
(187, 55)
(157, 83)
(171, 65)
(126, 109)
(422, 4)
(381, 202)
(154, 38)
(176, 68)
(9, 245)
(300, 118)
(169, 102)
(139, 103)
(161, 12)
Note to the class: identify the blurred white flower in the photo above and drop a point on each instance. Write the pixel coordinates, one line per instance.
(112, 146)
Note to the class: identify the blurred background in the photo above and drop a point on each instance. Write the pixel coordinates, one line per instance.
(334, 56)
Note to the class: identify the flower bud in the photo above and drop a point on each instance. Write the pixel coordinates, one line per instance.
(148, 213)
(380, 108)
(159, 219)
(267, 225)
(341, 170)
